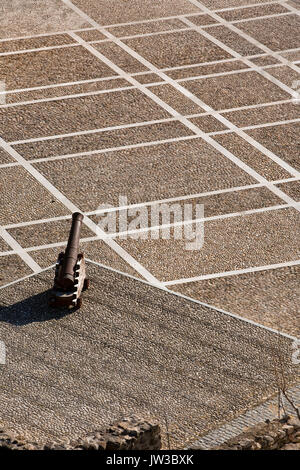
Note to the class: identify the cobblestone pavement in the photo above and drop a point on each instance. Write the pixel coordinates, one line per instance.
(134, 104)
(177, 101)
(131, 349)
(267, 410)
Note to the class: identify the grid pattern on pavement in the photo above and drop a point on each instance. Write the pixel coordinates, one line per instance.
(184, 101)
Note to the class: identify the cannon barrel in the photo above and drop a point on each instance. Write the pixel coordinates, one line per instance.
(70, 258)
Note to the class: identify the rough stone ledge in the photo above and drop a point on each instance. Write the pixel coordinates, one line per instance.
(131, 433)
(281, 433)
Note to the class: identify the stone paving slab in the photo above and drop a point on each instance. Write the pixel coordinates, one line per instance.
(269, 297)
(130, 348)
(57, 117)
(103, 140)
(36, 17)
(177, 49)
(234, 90)
(229, 244)
(12, 267)
(251, 12)
(276, 33)
(137, 10)
(192, 167)
(287, 134)
(252, 156)
(267, 410)
(41, 68)
(23, 198)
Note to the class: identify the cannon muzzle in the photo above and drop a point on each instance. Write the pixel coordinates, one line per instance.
(70, 258)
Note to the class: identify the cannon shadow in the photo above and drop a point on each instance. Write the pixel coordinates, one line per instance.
(33, 309)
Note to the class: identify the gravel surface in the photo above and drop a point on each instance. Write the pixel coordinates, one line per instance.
(130, 348)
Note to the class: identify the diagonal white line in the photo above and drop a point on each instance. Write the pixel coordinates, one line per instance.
(26, 277)
(17, 249)
(244, 35)
(198, 302)
(126, 87)
(260, 17)
(243, 7)
(141, 124)
(58, 33)
(252, 269)
(73, 208)
(185, 92)
(150, 203)
(200, 220)
(91, 131)
(181, 223)
(46, 48)
(246, 61)
(290, 7)
(136, 74)
(58, 85)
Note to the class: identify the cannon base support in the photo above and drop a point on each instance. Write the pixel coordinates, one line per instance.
(70, 298)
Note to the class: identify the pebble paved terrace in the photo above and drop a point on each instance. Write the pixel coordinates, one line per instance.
(176, 102)
(131, 349)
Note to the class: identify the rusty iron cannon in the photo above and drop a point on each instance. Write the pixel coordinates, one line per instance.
(70, 279)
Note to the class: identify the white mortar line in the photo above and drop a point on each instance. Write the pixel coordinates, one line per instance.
(252, 269)
(26, 277)
(198, 302)
(185, 92)
(39, 221)
(134, 125)
(219, 74)
(241, 33)
(104, 236)
(19, 250)
(260, 17)
(113, 149)
(42, 35)
(200, 220)
(290, 7)
(58, 85)
(152, 20)
(116, 77)
(155, 33)
(73, 208)
(65, 97)
(243, 7)
(254, 106)
(270, 124)
(127, 87)
(38, 49)
(256, 126)
(150, 203)
(46, 246)
(241, 58)
(92, 131)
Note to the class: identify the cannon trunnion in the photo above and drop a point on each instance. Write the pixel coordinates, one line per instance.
(70, 275)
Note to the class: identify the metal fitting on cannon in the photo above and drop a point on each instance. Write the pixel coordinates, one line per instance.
(70, 278)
